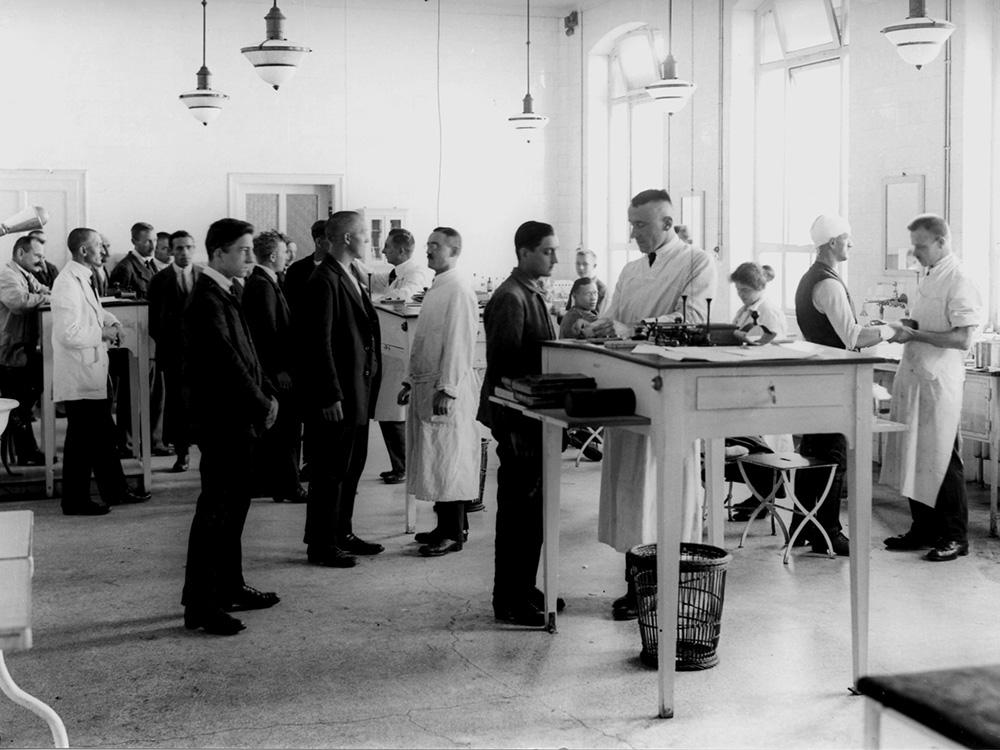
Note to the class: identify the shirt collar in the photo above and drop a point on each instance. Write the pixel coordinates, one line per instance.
(218, 278)
(79, 270)
(185, 271)
(17, 267)
(142, 260)
(535, 285)
(668, 248)
(271, 273)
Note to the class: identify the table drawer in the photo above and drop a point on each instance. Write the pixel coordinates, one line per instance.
(736, 392)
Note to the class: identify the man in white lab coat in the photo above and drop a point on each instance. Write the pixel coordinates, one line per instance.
(81, 333)
(925, 463)
(442, 439)
(407, 277)
(672, 278)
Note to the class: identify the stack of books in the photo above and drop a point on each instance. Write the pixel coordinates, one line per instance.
(543, 391)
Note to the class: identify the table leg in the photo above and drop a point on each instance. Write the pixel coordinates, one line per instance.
(669, 466)
(873, 724)
(48, 408)
(552, 452)
(714, 480)
(145, 441)
(30, 702)
(411, 512)
(995, 461)
(859, 490)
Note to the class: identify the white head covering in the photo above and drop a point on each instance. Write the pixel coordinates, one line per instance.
(826, 227)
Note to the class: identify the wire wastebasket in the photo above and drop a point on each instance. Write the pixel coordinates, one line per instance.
(700, 594)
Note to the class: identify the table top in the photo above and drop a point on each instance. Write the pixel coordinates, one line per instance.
(559, 416)
(818, 355)
(400, 311)
(109, 302)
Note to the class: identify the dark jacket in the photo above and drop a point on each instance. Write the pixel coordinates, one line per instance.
(167, 303)
(46, 274)
(341, 346)
(516, 320)
(270, 322)
(132, 275)
(296, 277)
(228, 391)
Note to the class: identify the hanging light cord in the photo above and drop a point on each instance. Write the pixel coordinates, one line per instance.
(670, 27)
(527, 51)
(440, 126)
(692, 102)
(204, 24)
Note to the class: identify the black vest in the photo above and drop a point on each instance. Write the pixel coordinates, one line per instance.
(815, 326)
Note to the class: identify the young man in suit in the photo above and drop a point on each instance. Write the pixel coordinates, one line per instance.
(169, 294)
(231, 406)
(81, 333)
(270, 324)
(341, 364)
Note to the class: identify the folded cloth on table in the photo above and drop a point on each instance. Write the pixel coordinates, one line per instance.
(600, 402)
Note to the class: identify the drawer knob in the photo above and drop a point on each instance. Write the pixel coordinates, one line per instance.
(403, 326)
(773, 392)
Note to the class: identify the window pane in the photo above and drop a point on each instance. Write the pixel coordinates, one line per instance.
(770, 47)
(813, 147)
(617, 79)
(770, 156)
(647, 147)
(803, 23)
(301, 212)
(774, 288)
(618, 174)
(262, 210)
(796, 265)
(637, 62)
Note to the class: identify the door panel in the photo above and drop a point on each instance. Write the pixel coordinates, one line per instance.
(60, 192)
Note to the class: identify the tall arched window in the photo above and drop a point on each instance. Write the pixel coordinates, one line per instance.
(801, 132)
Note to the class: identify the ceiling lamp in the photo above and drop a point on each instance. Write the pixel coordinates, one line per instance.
(671, 91)
(204, 103)
(274, 59)
(527, 120)
(919, 38)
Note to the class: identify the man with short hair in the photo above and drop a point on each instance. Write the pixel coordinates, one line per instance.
(46, 272)
(825, 315)
(517, 321)
(81, 333)
(671, 278)
(341, 373)
(134, 272)
(20, 359)
(161, 253)
(586, 268)
(100, 278)
(298, 273)
(442, 445)
(169, 295)
(925, 464)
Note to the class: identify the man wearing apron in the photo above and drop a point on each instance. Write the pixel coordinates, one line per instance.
(925, 463)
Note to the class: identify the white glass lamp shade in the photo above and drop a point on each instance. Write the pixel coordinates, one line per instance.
(672, 93)
(275, 60)
(204, 104)
(919, 40)
(527, 119)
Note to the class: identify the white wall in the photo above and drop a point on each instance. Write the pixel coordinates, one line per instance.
(99, 92)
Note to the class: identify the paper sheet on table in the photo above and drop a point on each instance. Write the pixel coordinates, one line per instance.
(724, 353)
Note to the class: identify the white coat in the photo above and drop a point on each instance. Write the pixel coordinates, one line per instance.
(927, 390)
(443, 452)
(79, 355)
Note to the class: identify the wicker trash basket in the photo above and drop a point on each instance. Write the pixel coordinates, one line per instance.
(477, 505)
(699, 603)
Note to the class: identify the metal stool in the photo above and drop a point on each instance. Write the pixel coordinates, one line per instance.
(784, 467)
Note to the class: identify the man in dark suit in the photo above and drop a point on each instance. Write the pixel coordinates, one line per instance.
(340, 371)
(169, 294)
(46, 272)
(267, 314)
(231, 405)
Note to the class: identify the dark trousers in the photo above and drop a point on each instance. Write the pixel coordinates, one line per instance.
(394, 434)
(339, 452)
(519, 505)
(948, 520)
(276, 466)
(215, 552)
(90, 447)
(24, 384)
(176, 425)
(451, 519)
(157, 403)
(809, 483)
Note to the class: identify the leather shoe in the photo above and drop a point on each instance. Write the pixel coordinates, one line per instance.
(625, 607)
(945, 551)
(250, 598)
(908, 542)
(841, 544)
(88, 508)
(182, 464)
(384, 474)
(356, 546)
(331, 557)
(394, 477)
(162, 450)
(130, 497)
(442, 547)
(537, 598)
(520, 613)
(299, 496)
(434, 536)
(212, 621)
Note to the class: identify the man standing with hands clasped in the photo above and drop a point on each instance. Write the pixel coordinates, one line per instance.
(925, 463)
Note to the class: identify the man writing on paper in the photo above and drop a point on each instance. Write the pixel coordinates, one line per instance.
(650, 286)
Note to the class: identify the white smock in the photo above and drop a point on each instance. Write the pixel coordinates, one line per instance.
(627, 515)
(443, 451)
(927, 390)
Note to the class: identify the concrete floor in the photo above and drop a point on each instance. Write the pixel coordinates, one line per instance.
(403, 651)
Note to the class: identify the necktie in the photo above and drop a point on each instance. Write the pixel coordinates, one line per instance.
(150, 266)
(94, 285)
(392, 275)
(184, 284)
(652, 258)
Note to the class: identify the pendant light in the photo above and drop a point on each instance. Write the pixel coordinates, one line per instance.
(274, 59)
(203, 103)
(670, 90)
(528, 120)
(919, 38)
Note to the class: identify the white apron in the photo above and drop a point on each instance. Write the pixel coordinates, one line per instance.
(927, 390)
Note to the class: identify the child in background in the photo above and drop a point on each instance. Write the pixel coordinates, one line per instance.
(586, 263)
(583, 303)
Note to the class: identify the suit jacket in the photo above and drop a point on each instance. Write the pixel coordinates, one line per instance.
(46, 275)
(341, 347)
(132, 275)
(270, 322)
(228, 392)
(167, 303)
(296, 277)
(20, 297)
(79, 355)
